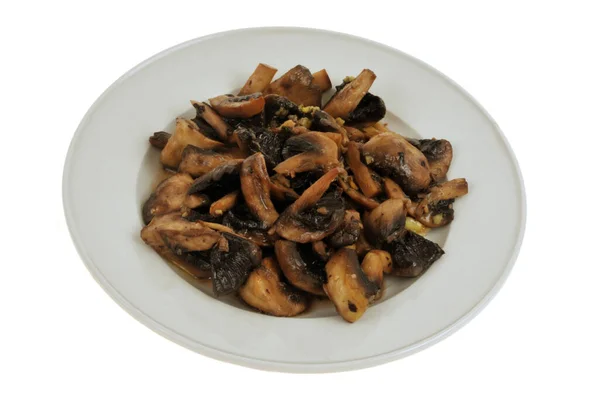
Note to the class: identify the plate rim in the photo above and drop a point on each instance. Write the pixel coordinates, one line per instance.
(272, 365)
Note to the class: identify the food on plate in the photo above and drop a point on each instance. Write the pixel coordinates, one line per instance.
(282, 199)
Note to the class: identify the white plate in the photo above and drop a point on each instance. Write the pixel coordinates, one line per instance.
(110, 169)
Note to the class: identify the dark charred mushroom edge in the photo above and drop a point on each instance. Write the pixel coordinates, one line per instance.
(281, 199)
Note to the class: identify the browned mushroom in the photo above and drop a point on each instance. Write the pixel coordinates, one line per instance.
(412, 254)
(219, 181)
(362, 245)
(256, 187)
(348, 232)
(159, 139)
(393, 190)
(350, 189)
(374, 265)
(355, 134)
(219, 207)
(438, 154)
(393, 156)
(348, 98)
(435, 209)
(298, 86)
(244, 106)
(386, 222)
(347, 285)
(281, 190)
(267, 292)
(370, 109)
(208, 114)
(321, 250)
(301, 266)
(305, 152)
(244, 223)
(321, 79)
(364, 177)
(186, 133)
(170, 195)
(259, 80)
(198, 161)
(313, 216)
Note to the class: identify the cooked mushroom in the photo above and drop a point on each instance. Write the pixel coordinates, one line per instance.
(204, 111)
(321, 250)
(347, 285)
(435, 209)
(159, 139)
(348, 232)
(350, 189)
(305, 152)
(243, 222)
(301, 266)
(321, 79)
(355, 134)
(259, 80)
(244, 106)
(219, 207)
(365, 178)
(393, 156)
(386, 222)
(186, 133)
(232, 260)
(370, 109)
(278, 109)
(256, 187)
(267, 142)
(362, 245)
(197, 161)
(438, 154)
(347, 99)
(412, 254)
(416, 226)
(267, 292)
(374, 265)
(219, 181)
(170, 195)
(313, 216)
(297, 85)
(281, 189)
(393, 190)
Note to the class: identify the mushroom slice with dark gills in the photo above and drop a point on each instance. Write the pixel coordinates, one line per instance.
(220, 181)
(435, 209)
(281, 189)
(197, 161)
(301, 266)
(350, 189)
(265, 141)
(365, 178)
(278, 109)
(438, 154)
(348, 232)
(244, 106)
(171, 195)
(306, 152)
(186, 133)
(297, 85)
(347, 285)
(412, 254)
(370, 109)
(241, 220)
(266, 291)
(347, 99)
(232, 259)
(393, 156)
(386, 222)
(159, 139)
(208, 114)
(313, 216)
(256, 187)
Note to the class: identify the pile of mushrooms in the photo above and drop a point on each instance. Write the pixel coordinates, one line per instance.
(281, 200)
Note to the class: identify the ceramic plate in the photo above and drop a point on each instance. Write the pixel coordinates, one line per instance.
(110, 170)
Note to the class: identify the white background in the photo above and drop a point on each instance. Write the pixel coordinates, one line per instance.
(533, 65)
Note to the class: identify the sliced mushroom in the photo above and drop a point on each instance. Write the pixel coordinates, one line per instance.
(364, 177)
(355, 134)
(412, 254)
(347, 285)
(305, 152)
(267, 292)
(435, 209)
(393, 156)
(301, 266)
(159, 139)
(232, 260)
(370, 109)
(243, 222)
(312, 216)
(386, 222)
(278, 109)
(321, 79)
(374, 265)
(186, 133)
(362, 245)
(438, 154)
(281, 189)
(265, 141)
(259, 80)
(297, 85)
(321, 250)
(393, 190)
(350, 189)
(244, 106)
(198, 161)
(256, 188)
(220, 181)
(348, 232)
(204, 111)
(169, 196)
(219, 207)
(348, 98)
